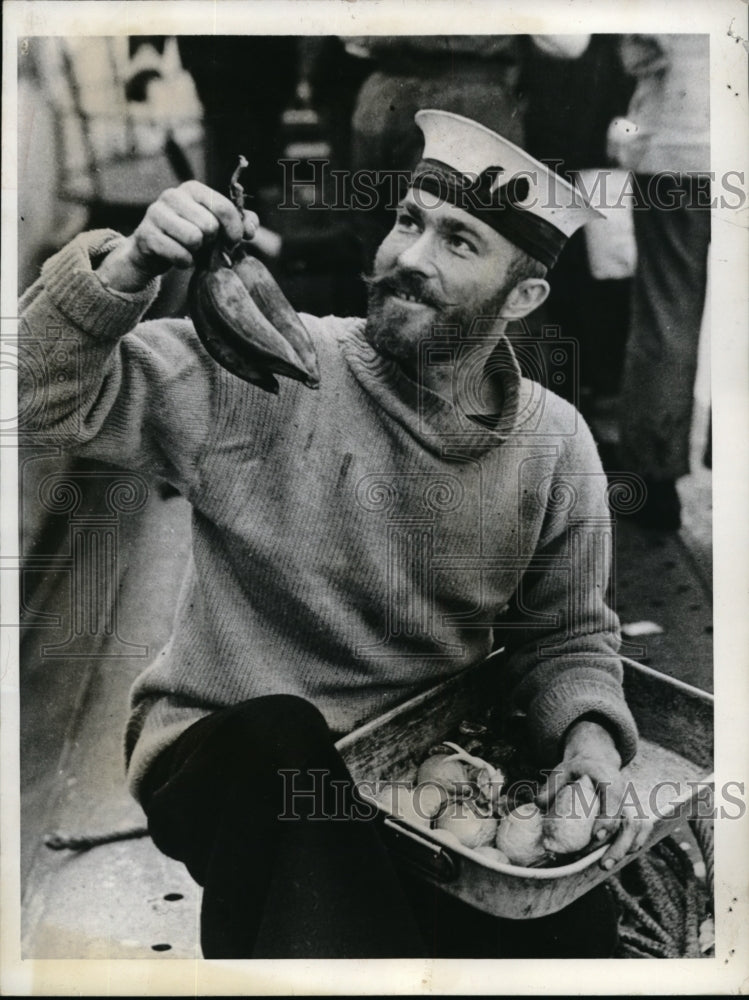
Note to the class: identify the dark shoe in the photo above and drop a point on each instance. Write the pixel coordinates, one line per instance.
(662, 508)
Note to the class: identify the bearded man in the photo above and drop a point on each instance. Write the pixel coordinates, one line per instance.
(309, 605)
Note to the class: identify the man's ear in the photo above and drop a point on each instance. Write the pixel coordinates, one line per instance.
(526, 296)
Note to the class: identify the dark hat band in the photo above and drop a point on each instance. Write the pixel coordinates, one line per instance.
(498, 209)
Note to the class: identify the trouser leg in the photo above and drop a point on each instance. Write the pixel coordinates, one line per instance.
(276, 888)
(667, 302)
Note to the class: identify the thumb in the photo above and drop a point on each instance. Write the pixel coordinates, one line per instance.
(250, 223)
(555, 781)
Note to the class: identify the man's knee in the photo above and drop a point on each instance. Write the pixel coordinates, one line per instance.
(241, 755)
(262, 736)
(278, 717)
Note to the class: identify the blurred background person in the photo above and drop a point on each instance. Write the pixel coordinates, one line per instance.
(46, 221)
(127, 121)
(669, 151)
(112, 121)
(575, 85)
(105, 124)
(244, 82)
(478, 76)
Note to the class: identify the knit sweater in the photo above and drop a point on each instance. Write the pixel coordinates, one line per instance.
(352, 545)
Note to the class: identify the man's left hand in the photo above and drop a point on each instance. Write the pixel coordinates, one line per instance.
(590, 749)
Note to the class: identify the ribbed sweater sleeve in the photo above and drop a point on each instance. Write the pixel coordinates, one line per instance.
(563, 642)
(137, 395)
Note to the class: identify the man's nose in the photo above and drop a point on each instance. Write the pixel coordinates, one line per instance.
(419, 255)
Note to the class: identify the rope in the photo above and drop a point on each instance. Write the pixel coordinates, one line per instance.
(661, 905)
(640, 917)
(639, 946)
(677, 874)
(83, 842)
(692, 923)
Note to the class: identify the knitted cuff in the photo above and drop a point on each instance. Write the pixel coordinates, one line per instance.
(74, 288)
(552, 713)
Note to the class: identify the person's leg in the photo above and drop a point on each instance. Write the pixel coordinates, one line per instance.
(302, 887)
(661, 351)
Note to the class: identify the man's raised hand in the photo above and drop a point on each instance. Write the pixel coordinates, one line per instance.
(172, 231)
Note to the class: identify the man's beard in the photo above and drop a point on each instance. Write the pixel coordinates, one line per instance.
(396, 330)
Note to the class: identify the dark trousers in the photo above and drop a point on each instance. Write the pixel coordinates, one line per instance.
(672, 230)
(311, 887)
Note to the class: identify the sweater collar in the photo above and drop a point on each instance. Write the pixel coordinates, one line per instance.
(442, 426)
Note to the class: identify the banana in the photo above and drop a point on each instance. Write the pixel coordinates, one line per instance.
(243, 318)
(241, 337)
(271, 301)
(216, 337)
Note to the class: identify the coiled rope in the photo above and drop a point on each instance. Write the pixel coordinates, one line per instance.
(662, 905)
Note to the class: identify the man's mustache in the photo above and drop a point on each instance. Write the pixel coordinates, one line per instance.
(405, 283)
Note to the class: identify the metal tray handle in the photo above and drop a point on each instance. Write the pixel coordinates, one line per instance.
(418, 852)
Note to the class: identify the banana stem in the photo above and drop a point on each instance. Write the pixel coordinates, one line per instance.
(236, 190)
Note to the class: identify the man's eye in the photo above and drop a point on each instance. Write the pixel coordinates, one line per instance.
(407, 222)
(461, 244)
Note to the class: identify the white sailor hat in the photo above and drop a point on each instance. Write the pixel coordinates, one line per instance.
(475, 169)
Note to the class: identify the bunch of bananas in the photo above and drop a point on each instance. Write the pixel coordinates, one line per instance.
(242, 317)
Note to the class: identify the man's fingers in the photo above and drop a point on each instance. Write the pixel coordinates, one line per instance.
(182, 230)
(631, 837)
(182, 200)
(621, 821)
(643, 830)
(155, 247)
(181, 220)
(224, 209)
(609, 820)
(620, 845)
(610, 798)
(184, 206)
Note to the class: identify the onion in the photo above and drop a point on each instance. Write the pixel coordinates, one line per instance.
(398, 800)
(492, 854)
(568, 827)
(445, 770)
(470, 827)
(520, 834)
(429, 798)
